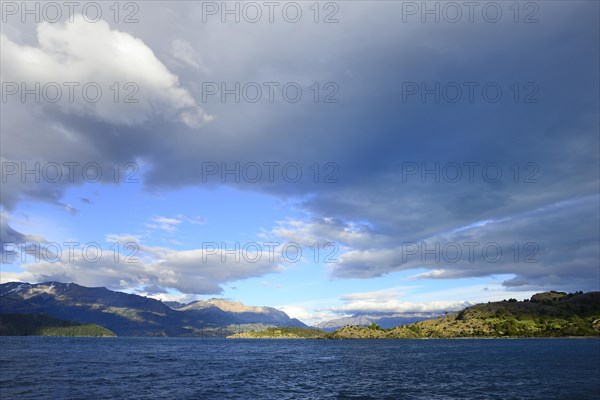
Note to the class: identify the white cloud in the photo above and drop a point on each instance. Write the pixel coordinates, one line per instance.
(170, 224)
(164, 297)
(493, 290)
(124, 238)
(164, 223)
(195, 271)
(436, 273)
(398, 306)
(83, 52)
(308, 317)
(8, 276)
(376, 302)
(196, 220)
(413, 300)
(183, 51)
(378, 295)
(323, 230)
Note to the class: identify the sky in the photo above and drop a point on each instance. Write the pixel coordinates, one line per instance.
(324, 158)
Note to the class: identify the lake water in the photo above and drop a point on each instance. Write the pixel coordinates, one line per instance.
(188, 368)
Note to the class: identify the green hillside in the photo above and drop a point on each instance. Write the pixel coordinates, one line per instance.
(43, 325)
(549, 314)
(282, 333)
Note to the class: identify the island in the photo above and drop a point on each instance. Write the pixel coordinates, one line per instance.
(43, 325)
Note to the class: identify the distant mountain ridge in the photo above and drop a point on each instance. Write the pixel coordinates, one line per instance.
(384, 320)
(133, 315)
(246, 314)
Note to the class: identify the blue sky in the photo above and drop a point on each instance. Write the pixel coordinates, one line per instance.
(437, 162)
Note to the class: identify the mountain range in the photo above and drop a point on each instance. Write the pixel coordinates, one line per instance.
(134, 315)
(63, 308)
(384, 320)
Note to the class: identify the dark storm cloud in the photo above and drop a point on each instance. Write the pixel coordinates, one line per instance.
(546, 247)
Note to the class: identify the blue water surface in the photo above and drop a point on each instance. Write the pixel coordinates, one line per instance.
(191, 368)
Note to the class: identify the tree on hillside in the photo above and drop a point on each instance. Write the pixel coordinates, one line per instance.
(374, 327)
